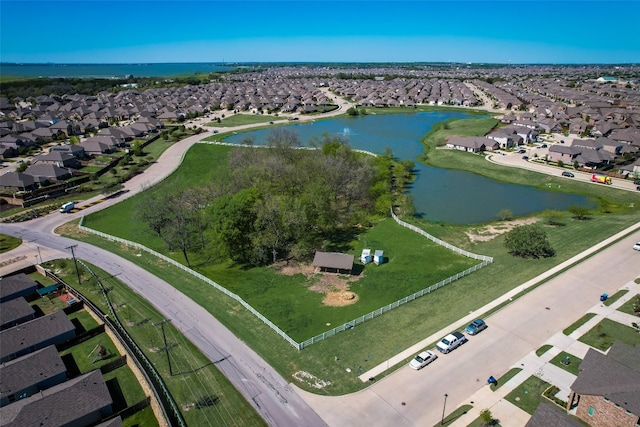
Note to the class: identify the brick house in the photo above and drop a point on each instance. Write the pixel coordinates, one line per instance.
(606, 393)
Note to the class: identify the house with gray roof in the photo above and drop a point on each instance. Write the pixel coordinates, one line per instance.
(82, 401)
(29, 374)
(14, 312)
(30, 336)
(472, 144)
(58, 158)
(46, 172)
(549, 415)
(607, 390)
(16, 286)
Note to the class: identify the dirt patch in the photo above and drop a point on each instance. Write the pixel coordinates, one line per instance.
(335, 287)
(491, 231)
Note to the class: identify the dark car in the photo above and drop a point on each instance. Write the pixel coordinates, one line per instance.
(568, 174)
(525, 157)
(636, 181)
(476, 326)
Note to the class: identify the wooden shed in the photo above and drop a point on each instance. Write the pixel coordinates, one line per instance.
(333, 262)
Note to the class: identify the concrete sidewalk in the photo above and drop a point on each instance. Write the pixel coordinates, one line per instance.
(403, 355)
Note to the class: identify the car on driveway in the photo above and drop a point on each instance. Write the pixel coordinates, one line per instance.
(636, 246)
(476, 327)
(423, 359)
(568, 174)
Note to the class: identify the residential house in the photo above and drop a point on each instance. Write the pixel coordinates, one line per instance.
(58, 158)
(44, 173)
(16, 286)
(35, 334)
(507, 137)
(7, 152)
(97, 145)
(549, 415)
(473, 144)
(606, 392)
(30, 374)
(74, 149)
(82, 401)
(587, 152)
(14, 312)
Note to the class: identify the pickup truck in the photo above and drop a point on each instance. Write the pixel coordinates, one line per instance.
(451, 342)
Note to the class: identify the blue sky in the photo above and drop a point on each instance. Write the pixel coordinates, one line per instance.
(514, 31)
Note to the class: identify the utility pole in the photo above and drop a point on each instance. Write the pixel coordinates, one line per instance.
(75, 261)
(443, 408)
(164, 338)
(39, 255)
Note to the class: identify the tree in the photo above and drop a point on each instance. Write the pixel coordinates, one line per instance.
(579, 212)
(528, 241)
(486, 417)
(505, 214)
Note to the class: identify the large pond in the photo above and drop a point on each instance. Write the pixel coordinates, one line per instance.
(440, 195)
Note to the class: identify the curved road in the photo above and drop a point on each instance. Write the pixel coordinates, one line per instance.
(406, 398)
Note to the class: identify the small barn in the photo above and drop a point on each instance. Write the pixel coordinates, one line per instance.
(333, 262)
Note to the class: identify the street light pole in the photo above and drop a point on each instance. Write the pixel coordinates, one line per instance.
(444, 408)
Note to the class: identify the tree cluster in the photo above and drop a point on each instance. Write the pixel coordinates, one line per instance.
(528, 241)
(277, 202)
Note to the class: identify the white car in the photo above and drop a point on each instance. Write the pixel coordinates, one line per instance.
(423, 359)
(636, 246)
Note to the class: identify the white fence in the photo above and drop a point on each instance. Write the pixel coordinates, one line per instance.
(349, 325)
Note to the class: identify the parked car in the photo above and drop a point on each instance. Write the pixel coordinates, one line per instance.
(568, 174)
(636, 246)
(423, 359)
(475, 327)
(522, 151)
(451, 342)
(525, 157)
(636, 181)
(544, 146)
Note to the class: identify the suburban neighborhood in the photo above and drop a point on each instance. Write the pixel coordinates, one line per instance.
(592, 118)
(582, 119)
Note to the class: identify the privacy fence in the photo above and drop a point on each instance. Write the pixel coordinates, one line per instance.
(346, 326)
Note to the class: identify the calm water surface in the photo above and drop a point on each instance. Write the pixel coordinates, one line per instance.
(440, 195)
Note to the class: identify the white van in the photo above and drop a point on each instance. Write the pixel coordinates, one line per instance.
(67, 207)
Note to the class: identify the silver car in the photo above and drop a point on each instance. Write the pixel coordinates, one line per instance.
(423, 359)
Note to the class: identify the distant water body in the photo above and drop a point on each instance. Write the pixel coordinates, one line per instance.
(110, 70)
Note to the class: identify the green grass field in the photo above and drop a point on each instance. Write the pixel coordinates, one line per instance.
(8, 243)
(568, 362)
(528, 395)
(575, 325)
(604, 334)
